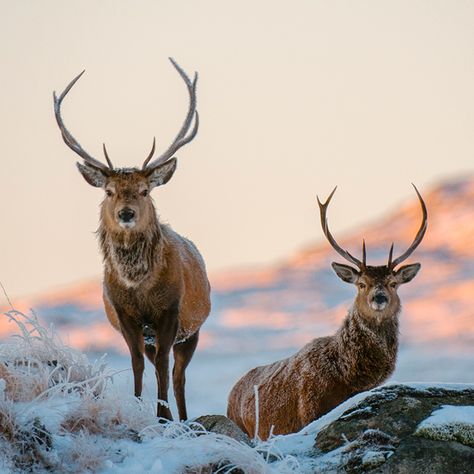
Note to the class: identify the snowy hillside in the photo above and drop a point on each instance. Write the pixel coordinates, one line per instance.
(264, 314)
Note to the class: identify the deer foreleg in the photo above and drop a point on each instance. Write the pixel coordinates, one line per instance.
(165, 336)
(133, 336)
(183, 352)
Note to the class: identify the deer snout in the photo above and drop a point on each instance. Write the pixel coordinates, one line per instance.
(126, 217)
(380, 298)
(379, 301)
(126, 214)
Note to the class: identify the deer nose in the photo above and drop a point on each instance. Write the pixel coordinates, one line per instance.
(126, 214)
(380, 298)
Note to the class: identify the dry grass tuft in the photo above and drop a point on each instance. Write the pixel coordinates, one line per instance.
(8, 427)
(97, 417)
(27, 443)
(24, 382)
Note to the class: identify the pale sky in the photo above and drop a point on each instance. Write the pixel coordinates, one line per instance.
(294, 98)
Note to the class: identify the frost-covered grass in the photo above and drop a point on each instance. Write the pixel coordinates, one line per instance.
(61, 412)
(449, 423)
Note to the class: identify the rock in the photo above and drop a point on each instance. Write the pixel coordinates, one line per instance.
(379, 434)
(371, 449)
(222, 425)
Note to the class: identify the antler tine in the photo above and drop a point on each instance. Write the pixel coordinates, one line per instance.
(150, 155)
(182, 138)
(324, 223)
(70, 141)
(111, 166)
(419, 236)
(390, 256)
(364, 254)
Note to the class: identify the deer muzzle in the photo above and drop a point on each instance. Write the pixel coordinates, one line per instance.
(379, 301)
(126, 217)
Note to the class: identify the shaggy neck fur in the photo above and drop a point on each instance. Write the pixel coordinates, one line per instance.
(367, 347)
(132, 254)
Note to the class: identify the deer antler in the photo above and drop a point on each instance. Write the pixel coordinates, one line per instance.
(418, 238)
(70, 141)
(182, 138)
(344, 253)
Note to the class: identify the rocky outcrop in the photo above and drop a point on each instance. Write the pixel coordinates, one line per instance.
(382, 434)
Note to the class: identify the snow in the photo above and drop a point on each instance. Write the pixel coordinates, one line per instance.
(373, 458)
(303, 441)
(450, 414)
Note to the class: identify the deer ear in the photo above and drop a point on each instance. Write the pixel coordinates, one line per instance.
(345, 272)
(92, 175)
(163, 173)
(407, 273)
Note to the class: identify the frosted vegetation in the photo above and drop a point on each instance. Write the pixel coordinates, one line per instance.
(61, 412)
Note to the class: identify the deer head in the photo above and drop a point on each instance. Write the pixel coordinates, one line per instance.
(376, 285)
(127, 204)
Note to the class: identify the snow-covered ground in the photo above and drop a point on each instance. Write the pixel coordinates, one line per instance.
(61, 412)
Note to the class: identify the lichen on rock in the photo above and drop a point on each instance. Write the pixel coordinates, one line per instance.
(449, 423)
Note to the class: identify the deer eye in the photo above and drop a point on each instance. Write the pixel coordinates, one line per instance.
(393, 284)
(108, 192)
(144, 193)
(362, 285)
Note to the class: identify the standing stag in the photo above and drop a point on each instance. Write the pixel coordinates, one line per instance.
(328, 370)
(155, 291)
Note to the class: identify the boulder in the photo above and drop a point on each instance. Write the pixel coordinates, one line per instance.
(387, 432)
(222, 425)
